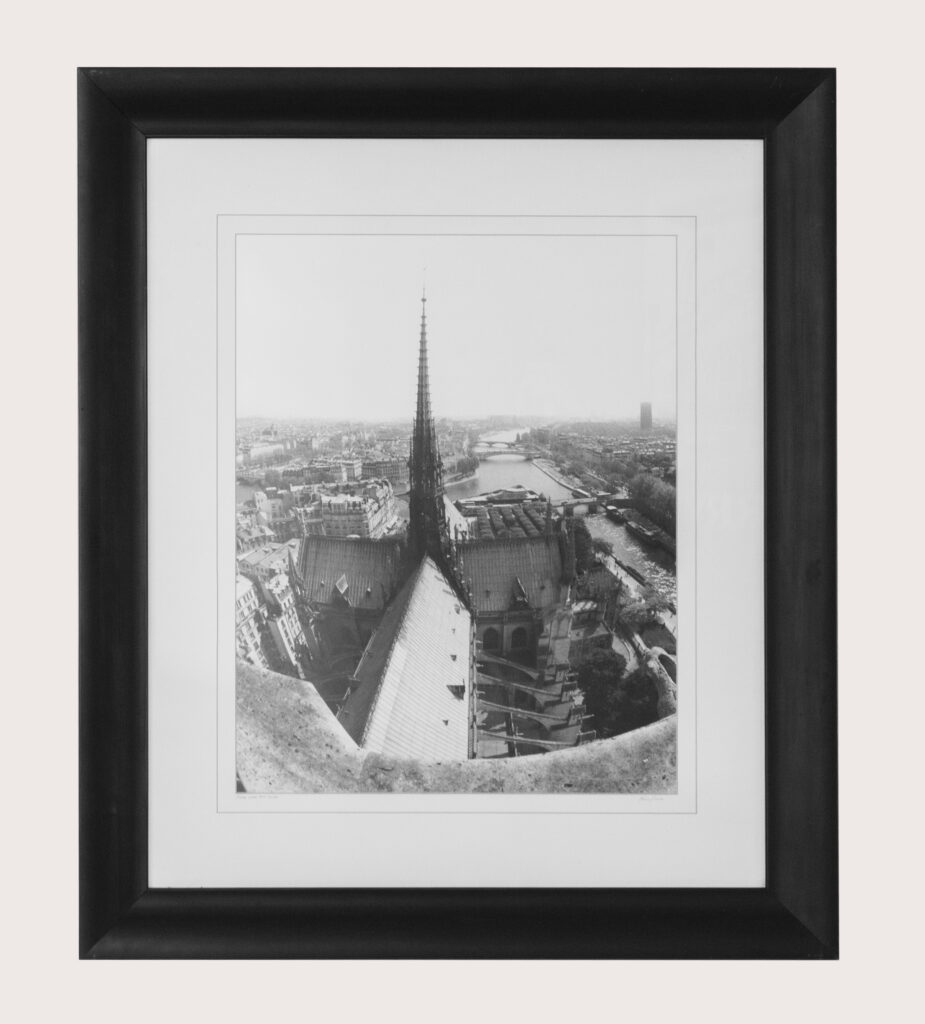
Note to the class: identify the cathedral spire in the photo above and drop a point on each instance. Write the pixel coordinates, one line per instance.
(423, 413)
(427, 532)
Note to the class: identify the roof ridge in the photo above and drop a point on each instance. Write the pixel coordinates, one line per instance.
(488, 542)
(410, 585)
(316, 538)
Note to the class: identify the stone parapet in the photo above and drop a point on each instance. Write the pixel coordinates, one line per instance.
(288, 741)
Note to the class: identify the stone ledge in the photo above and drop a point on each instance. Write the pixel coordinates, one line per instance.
(289, 742)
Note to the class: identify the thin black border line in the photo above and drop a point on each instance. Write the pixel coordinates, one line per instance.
(218, 462)
(764, 638)
(450, 793)
(442, 234)
(479, 216)
(437, 234)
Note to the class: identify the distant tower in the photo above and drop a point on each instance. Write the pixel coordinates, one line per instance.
(645, 416)
(427, 531)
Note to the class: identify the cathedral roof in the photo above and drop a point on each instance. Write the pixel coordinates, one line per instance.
(362, 572)
(497, 571)
(410, 694)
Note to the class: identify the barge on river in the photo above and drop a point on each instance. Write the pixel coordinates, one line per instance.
(651, 535)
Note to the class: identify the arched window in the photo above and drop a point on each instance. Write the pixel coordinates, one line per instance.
(491, 639)
(519, 638)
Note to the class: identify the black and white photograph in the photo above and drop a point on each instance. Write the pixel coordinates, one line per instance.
(456, 466)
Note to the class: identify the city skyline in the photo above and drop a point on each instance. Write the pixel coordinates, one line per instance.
(577, 328)
(526, 418)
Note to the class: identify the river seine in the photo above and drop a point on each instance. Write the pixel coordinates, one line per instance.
(505, 471)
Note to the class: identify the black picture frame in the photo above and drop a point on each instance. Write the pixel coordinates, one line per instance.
(793, 111)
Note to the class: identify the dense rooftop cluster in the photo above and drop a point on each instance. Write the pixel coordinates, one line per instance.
(501, 522)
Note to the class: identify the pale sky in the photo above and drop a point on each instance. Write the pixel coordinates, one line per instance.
(556, 327)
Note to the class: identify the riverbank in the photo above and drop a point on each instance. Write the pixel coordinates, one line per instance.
(667, 620)
(458, 478)
(655, 567)
(552, 471)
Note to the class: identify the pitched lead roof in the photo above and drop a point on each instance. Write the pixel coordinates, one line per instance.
(410, 697)
(365, 572)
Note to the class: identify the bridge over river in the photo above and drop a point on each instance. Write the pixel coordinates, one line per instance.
(488, 449)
